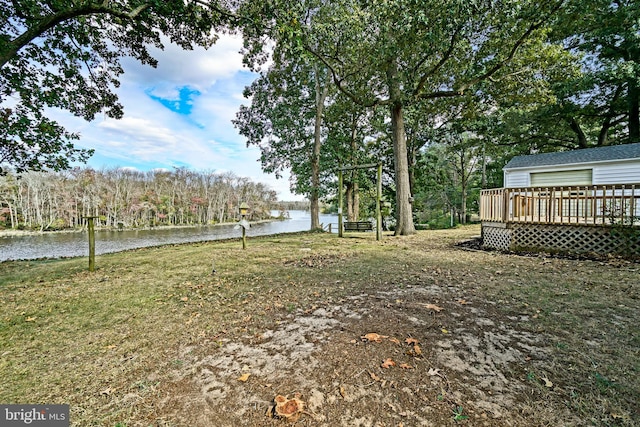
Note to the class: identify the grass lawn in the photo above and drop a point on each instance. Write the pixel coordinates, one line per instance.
(154, 338)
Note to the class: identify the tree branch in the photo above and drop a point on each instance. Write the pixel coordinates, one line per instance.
(443, 60)
(486, 75)
(46, 23)
(339, 82)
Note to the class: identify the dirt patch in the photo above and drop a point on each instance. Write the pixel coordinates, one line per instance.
(472, 365)
(155, 338)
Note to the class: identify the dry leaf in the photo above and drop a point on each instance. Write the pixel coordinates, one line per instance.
(394, 340)
(444, 331)
(244, 377)
(433, 307)
(343, 393)
(411, 341)
(406, 366)
(417, 350)
(374, 376)
(433, 371)
(547, 383)
(374, 337)
(289, 409)
(388, 363)
(185, 299)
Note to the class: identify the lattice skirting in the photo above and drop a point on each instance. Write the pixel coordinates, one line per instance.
(496, 236)
(562, 238)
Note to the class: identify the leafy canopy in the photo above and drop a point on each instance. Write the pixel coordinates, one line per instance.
(66, 55)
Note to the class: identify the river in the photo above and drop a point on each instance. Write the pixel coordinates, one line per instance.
(73, 244)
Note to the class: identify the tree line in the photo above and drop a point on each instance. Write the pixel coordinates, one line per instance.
(443, 93)
(123, 198)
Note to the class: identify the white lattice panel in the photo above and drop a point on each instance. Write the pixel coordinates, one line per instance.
(496, 237)
(562, 238)
(576, 239)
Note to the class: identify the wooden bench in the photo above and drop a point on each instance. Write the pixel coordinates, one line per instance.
(358, 226)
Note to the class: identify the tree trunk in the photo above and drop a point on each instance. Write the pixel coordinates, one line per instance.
(634, 111)
(577, 129)
(404, 216)
(321, 95)
(353, 201)
(348, 194)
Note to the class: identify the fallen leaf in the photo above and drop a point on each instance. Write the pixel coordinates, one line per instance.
(185, 299)
(374, 376)
(374, 337)
(547, 383)
(411, 341)
(405, 366)
(394, 340)
(289, 409)
(417, 350)
(433, 307)
(444, 331)
(343, 393)
(244, 377)
(388, 363)
(433, 371)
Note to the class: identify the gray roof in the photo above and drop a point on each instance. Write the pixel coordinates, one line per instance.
(587, 155)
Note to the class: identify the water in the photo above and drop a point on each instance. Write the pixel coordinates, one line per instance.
(58, 245)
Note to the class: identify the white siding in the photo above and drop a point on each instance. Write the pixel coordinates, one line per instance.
(516, 179)
(617, 173)
(561, 178)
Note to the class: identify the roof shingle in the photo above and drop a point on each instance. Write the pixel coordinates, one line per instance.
(587, 155)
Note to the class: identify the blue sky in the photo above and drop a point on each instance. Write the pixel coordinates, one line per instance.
(179, 114)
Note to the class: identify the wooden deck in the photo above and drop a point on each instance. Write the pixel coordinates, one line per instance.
(579, 205)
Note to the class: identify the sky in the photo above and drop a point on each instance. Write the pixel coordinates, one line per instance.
(179, 115)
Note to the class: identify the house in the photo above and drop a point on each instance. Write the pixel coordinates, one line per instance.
(575, 201)
(617, 164)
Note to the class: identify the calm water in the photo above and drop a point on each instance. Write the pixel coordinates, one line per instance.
(57, 245)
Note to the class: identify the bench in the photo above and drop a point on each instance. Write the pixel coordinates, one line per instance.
(358, 226)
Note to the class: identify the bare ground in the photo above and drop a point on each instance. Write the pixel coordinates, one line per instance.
(475, 364)
(469, 337)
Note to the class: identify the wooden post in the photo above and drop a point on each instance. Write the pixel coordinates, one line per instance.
(92, 243)
(340, 203)
(378, 201)
(244, 238)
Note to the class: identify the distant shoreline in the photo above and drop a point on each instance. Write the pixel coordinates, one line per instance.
(20, 233)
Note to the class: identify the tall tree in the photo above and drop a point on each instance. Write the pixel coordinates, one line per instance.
(285, 119)
(397, 52)
(65, 54)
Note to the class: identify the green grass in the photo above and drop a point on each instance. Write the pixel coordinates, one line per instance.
(70, 336)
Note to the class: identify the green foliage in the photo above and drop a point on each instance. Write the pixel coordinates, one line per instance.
(66, 55)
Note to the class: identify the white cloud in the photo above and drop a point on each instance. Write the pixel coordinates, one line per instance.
(152, 136)
(200, 67)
